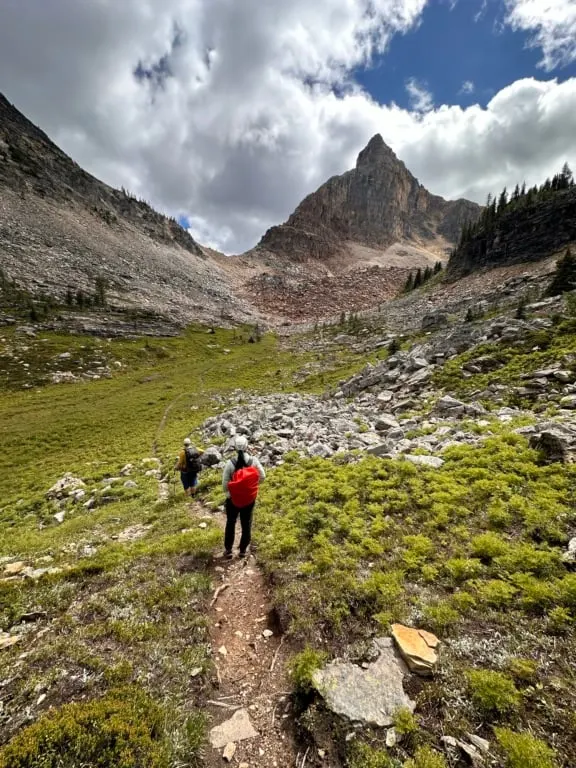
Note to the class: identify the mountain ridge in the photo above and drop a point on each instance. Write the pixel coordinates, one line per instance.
(376, 204)
(62, 229)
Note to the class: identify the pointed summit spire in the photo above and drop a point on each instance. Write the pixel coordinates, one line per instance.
(375, 152)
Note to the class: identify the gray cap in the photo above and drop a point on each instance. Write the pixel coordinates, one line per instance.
(241, 443)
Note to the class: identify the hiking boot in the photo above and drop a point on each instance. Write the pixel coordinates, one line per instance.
(242, 554)
(228, 555)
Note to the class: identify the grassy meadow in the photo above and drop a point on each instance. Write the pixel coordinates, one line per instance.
(113, 631)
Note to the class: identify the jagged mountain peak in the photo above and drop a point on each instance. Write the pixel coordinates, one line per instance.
(376, 205)
(375, 153)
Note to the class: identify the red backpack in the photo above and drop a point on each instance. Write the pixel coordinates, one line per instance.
(243, 487)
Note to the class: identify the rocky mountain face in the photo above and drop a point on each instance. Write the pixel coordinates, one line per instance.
(377, 204)
(352, 243)
(62, 229)
(525, 232)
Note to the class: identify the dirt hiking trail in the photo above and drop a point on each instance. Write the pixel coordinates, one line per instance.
(250, 657)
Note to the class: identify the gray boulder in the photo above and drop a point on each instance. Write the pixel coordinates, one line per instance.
(211, 457)
(321, 449)
(386, 422)
(434, 321)
(369, 696)
(425, 461)
(556, 441)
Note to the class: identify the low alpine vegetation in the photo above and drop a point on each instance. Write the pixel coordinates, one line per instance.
(124, 728)
(471, 551)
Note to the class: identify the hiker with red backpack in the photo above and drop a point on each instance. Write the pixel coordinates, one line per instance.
(240, 481)
(190, 467)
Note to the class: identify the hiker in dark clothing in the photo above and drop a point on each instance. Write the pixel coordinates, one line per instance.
(190, 467)
(242, 460)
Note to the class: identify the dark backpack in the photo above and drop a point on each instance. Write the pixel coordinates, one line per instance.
(193, 463)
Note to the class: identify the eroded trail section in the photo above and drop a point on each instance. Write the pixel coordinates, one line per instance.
(251, 712)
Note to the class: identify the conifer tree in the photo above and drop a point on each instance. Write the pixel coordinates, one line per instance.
(566, 176)
(409, 285)
(418, 279)
(438, 267)
(521, 309)
(565, 275)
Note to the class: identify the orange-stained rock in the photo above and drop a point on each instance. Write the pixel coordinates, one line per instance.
(7, 641)
(13, 568)
(417, 648)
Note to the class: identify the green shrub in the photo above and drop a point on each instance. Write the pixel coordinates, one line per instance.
(303, 666)
(441, 617)
(123, 729)
(496, 593)
(559, 620)
(462, 568)
(492, 693)
(120, 673)
(404, 722)
(536, 595)
(426, 757)
(418, 549)
(523, 670)
(362, 755)
(522, 750)
(430, 573)
(567, 588)
(487, 546)
(498, 515)
(526, 558)
(463, 602)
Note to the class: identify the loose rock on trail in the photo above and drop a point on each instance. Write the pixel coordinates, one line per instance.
(252, 704)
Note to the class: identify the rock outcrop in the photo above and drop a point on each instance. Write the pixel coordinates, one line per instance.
(377, 204)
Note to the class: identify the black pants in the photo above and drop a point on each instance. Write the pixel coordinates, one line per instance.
(232, 513)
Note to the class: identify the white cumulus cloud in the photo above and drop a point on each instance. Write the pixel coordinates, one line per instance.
(229, 113)
(420, 97)
(552, 24)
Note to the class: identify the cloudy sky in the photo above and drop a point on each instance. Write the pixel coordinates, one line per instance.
(226, 113)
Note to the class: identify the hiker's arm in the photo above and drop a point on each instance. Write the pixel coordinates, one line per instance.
(260, 469)
(227, 476)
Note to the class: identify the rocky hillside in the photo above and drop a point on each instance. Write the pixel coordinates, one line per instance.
(377, 204)
(61, 228)
(527, 227)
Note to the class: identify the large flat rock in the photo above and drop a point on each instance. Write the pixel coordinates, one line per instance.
(237, 728)
(370, 695)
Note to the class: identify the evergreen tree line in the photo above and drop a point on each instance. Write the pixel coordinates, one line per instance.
(521, 197)
(351, 322)
(420, 277)
(41, 306)
(81, 299)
